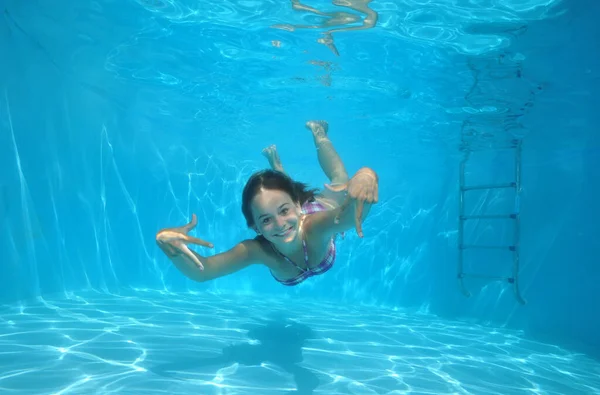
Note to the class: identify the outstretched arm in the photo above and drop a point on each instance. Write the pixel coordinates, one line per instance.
(174, 243)
(219, 265)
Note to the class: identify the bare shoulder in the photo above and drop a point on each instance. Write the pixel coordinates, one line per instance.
(315, 227)
(322, 225)
(259, 252)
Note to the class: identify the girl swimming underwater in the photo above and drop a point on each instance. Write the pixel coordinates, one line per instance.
(296, 226)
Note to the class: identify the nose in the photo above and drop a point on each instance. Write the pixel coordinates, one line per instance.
(280, 221)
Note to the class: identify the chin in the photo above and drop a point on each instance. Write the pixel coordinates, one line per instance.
(291, 237)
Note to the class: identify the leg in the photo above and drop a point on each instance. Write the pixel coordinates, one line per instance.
(328, 157)
(272, 156)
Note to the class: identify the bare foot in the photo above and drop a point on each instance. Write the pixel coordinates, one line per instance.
(272, 156)
(318, 128)
(327, 40)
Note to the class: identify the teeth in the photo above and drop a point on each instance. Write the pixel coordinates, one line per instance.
(283, 233)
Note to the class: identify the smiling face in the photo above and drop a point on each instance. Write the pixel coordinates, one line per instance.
(276, 216)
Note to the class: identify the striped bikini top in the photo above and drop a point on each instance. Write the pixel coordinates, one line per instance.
(327, 262)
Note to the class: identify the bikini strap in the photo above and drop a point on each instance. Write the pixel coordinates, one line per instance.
(289, 260)
(304, 248)
(305, 253)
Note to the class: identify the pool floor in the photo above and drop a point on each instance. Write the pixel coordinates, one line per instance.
(151, 342)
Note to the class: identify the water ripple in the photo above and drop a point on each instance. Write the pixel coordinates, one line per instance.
(154, 342)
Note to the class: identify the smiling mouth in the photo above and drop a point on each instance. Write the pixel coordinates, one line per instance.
(284, 233)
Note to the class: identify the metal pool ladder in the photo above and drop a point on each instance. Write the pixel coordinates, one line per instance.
(514, 216)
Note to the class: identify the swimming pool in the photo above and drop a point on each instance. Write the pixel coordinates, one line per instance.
(119, 119)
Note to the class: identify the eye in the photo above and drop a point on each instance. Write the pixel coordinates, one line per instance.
(285, 211)
(266, 220)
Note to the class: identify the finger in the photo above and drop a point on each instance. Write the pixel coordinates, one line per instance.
(374, 192)
(192, 256)
(336, 188)
(197, 241)
(371, 195)
(368, 194)
(363, 195)
(192, 224)
(358, 217)
(357, 193)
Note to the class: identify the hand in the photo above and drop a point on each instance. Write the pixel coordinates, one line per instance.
(174, 241)
(364, 188)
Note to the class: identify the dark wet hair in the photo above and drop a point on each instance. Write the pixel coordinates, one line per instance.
(274, 180)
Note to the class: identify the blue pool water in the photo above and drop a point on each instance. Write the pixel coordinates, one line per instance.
(119, 118)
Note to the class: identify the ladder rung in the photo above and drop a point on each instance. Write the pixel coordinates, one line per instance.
(499, 216)
(480, 247)
(486, 277)
(465, 146)
(490, 186)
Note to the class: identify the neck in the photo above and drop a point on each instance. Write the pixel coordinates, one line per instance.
(289, 248)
